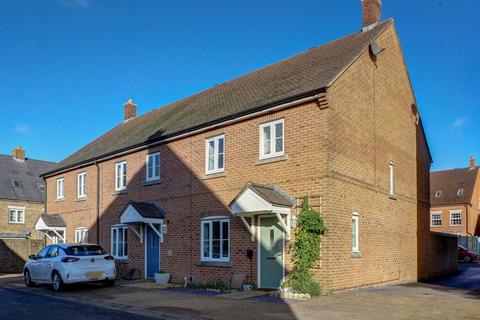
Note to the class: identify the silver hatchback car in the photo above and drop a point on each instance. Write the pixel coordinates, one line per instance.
(62, 264)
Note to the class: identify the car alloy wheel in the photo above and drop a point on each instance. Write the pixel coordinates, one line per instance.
(56, 281)
(27, 278)
(467, 259)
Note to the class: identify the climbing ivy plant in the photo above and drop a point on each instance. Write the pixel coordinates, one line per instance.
(306, 250)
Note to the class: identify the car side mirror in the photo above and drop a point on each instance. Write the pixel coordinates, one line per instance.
(32, 257)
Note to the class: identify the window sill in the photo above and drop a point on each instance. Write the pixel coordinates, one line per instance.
(214, 175)
(119, 192)
(121, 260)
(152, 182)
(270, 160)
(214, 264)
(60, 200)
(81, 199)
(16, 222)
(392, 196)
(356, 254)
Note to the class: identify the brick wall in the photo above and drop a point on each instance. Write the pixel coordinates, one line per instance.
(32, 212)
(14, 253)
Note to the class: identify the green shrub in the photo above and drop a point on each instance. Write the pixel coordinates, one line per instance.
(306, 251)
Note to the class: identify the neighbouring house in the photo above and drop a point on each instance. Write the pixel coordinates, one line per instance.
(22, 197)
(208, 187)
(455, 201)
(22, 194)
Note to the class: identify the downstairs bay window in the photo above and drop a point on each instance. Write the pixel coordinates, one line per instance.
(215, 239)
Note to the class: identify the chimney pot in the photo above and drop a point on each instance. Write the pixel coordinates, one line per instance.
(19, 153)
(130, 110)
(472, 162)
(372, 12)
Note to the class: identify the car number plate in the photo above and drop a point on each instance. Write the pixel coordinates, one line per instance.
(94, 275)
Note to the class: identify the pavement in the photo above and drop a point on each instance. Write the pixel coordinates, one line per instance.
(455, 297)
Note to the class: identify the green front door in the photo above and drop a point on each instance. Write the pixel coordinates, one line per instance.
(271, 253)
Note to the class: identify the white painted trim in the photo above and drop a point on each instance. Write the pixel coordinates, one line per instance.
(17, 209)
(431, 218)
(279, 107)
(81, 195)
(259, 253)
(461, 219)
(271, 125)
(284, 226)
(251, 229)
(58, 235)
(60, 190)
(147, 163)
(125, 239)
(79, 231)
(138, 233)
(210, 221)
(356, 216)
(123, 179)
(391, 178)
(215, 140)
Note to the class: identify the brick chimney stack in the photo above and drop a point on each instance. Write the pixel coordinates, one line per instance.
(130, 110)
(19, 154)
(372, 12)
(472, 162)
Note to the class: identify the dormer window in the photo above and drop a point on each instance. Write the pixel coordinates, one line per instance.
(460, 192)
(438, 193)
(16, 183)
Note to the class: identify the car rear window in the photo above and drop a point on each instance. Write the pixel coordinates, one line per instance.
(85, 251)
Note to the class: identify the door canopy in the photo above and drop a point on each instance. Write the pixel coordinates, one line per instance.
(144, 213)
(51, 224)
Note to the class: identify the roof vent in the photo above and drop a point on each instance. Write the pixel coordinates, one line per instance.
(438, 194)
(460, 192)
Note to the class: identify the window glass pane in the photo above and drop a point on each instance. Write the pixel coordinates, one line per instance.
(125, 243)
(211, 155)
(206, 249)
(216, 230)
(150, 170)
(114, 242)
(225, 249)
(20, 215)
(220, 161)
(266, 140)
(156, 172)
(12, 215)
(216, 249)
(225, 230)
(354, 233)
(220, 145)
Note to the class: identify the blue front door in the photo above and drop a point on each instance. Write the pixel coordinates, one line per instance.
(153, 252)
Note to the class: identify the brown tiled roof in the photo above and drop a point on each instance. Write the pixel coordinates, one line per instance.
(288, 80)
(272, 194)
(448, 182)
(53, 220)
(148, 209)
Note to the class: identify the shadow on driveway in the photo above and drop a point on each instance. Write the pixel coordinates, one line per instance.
(468, 279)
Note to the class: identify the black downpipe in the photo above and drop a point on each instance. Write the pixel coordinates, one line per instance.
(98, 201)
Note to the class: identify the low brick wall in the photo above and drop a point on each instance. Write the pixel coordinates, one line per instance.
(440, 259)
(14, 253)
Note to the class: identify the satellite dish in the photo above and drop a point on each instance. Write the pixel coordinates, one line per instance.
(375, 49)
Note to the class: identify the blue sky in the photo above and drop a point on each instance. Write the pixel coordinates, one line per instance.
(67, 66)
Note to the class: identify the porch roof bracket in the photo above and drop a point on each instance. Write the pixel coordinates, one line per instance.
(251, 229)
(160, 234)
(48, 236)
(139, 234)
(284, 226)
(58, 234)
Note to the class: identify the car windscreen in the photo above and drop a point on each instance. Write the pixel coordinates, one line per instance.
(84, 250)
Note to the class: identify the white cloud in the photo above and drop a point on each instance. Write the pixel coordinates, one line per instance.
(22, 128)
(75, 3)
(459, 123)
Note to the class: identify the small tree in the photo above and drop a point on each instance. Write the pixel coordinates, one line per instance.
(306, 251)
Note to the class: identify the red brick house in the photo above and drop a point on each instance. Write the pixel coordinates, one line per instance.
(455, 201)
(208, 186)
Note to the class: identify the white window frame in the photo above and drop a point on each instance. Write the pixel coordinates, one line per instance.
(16, 210)
(81, 235)
(391, 178)
(81, 185)
(452, 212)
(121, 180)
(210, 221)
(438, 193)
(355, 217)
(114, 251)
(272, 153)
(60, 188)
(437, 214)
(150, 160)
(216, 154)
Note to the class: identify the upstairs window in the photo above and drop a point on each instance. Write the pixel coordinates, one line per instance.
(16, 215)
(120, 176)
(215, 155)
(215, 235)
(60, 186)
(16, 183)
(455, 218)
(436, 219)
(81, 183)
(272, 142)
(391, 179)
(438, 193)
(355, 235)
(460, 192)
(153, 166)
